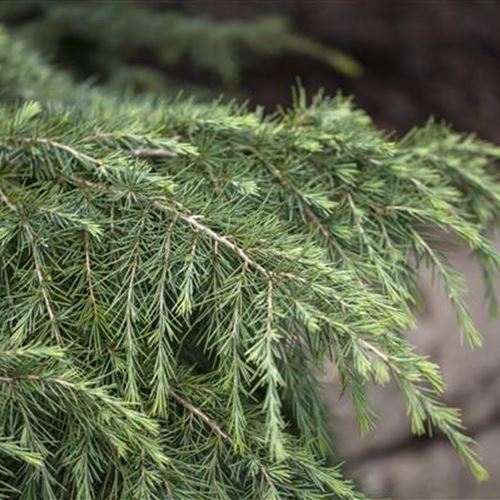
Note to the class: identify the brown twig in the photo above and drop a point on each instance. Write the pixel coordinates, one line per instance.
(214, 426)
(64, 147)
(152, 153)
(36, 378)
(89, 274)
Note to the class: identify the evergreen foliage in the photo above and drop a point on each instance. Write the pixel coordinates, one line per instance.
(172, 275)
(81, 35)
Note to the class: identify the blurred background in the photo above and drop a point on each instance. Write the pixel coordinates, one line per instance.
(419, 57)
(403, 61)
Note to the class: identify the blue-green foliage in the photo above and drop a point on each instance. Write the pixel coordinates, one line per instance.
(172, 274)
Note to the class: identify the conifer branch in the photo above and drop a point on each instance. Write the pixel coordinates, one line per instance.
(194, 222)
(43, 285)
(7, 201)
(88, 270)
(36, 378)
(238, 267)
(63, 147)
(38, 270)
(214, 426)
(280, 177)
